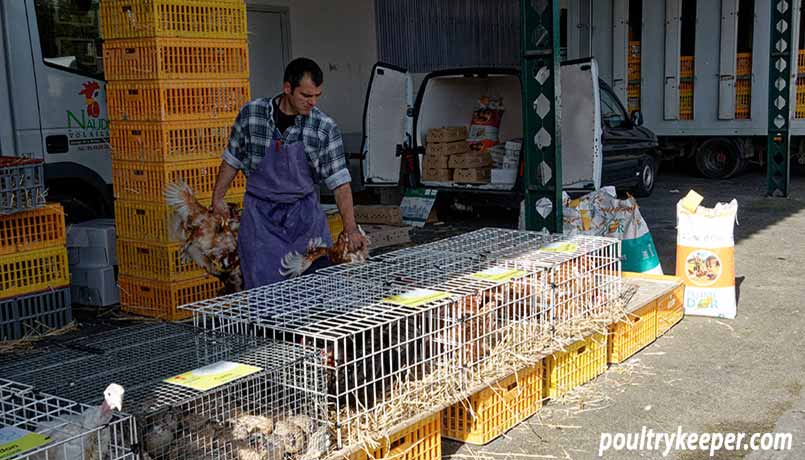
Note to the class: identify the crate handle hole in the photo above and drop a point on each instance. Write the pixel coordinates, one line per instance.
(582, 349)
(397, 442)
(136, 132)
(511, 386)
(142, 251)
(134, 92)
(139, 172)
(131, 50)
(140, 212)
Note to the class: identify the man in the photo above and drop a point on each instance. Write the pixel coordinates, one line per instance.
(285, 146)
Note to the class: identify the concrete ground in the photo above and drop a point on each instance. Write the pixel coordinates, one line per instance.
(705, 375)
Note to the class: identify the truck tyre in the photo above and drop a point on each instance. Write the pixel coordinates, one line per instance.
(648, 176)
(718, 158)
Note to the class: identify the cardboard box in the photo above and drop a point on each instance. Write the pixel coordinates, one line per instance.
(435, 161)
(446, 148)
(472, 176)
(503, 176)
(92, 243)
(96, 286)
(437, 175)
(448, 134)
(386, 215)
(386, 235)
(471, 160)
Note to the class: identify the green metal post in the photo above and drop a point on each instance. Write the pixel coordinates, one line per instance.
(780, 68)
(541, 114)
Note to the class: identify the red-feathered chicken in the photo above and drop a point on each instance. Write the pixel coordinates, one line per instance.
(209, 240)
(294, 264)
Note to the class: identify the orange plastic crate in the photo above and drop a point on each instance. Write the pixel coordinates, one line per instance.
(686, 100)
(420, 441)
(33, 271)
(743, 98)
(175, 100)
(158, 299)
(744, 65)
(146, 182)
(31, 230)
(175, 59)
(686, 66)
(158, 261)
(577, 365)
(152, 221)
(669, 293)
(800, 111)
(173, 18)
(169, 141)
(633, 333)
(634, 71)
(494, 410)
(801, 62)
(634, 51)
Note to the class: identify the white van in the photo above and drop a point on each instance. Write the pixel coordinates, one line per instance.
(601, 144)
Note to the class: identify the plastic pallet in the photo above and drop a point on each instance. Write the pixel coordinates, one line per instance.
(496, 409)
(169, 141)
(22, 184)
(633, 333)
(146, 182)
(34, 314)
(420, 441)
(157, 261)
(580, 363)
(28, 272)
(175, 100)
(151, 221)
(173, 18)
(157, 299)
(31, 230)
(175, 59)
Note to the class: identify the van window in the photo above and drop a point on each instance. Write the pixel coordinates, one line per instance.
(70, 35)
(612, 113)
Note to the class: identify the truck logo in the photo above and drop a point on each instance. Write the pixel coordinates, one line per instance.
(90, 92)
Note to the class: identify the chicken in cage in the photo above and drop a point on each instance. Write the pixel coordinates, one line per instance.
(40, 426)
(198, 395)
(380, 342)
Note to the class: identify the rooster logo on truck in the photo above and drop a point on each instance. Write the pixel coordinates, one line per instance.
(90, 92)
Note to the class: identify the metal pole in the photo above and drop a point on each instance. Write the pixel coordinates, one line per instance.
(541, 114)
(780, 68)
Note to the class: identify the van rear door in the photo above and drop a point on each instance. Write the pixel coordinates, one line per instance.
(387, 124)
(580, 126)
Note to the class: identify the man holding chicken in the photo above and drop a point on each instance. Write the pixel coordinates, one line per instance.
(285, 146)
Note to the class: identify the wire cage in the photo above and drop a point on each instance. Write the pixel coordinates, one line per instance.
(388, 356)
(196, 394)
(42, 426)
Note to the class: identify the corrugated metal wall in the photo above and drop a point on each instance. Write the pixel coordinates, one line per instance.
(427, 35)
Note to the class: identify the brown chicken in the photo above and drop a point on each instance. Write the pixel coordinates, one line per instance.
(209, 240)
(294, 264)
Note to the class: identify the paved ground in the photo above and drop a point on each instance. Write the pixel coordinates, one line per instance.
(706, 375)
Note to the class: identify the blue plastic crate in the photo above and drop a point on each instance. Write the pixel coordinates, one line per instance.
(35, 313)
(22, 184)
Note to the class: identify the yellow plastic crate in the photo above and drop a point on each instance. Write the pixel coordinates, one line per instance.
(633, 333)
(801, 62)
(33, 271)
(496, 409)
(669, 293)
(634, 70)
(634, 51)
(154, 141)
(158, 299)
(175, 59)
(157, 261)
(686, 64)
(420, 441)
(743, 99)
(335, 224)
(686, 100)
(146, 182)
(173, 18)
(800, 111)
(580, 363)
(31, 230)
(152, 222)
(744, 65)
(175, 100)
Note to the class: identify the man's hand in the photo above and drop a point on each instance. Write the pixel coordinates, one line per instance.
(220, 208)
(356, 241)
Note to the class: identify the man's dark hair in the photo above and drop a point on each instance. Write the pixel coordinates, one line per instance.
(297, 69)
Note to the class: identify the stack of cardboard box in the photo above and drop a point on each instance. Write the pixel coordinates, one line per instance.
(472, 167)
(442, 144)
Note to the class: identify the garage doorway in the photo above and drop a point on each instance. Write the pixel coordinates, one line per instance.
(269, 48)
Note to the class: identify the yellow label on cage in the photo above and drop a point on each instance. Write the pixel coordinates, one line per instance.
(14, 441)
(568, 248)
(497, 274)
(213, 376)
(416, 297)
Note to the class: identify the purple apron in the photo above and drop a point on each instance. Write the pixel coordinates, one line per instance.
(281, 213)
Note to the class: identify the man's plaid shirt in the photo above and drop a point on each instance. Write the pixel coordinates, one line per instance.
(254, 129)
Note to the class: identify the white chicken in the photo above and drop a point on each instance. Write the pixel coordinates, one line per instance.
(209, 240)
(66, 431)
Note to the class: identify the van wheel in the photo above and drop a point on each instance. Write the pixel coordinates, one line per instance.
(718, 159)
(648, 176)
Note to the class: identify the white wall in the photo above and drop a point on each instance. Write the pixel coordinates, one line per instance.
(340, 36)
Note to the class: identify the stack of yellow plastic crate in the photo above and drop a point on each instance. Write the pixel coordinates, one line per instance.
(743, 86)
(178, 75)
(686, 71)
(633, 84)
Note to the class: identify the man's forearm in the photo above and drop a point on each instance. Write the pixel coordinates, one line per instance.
(343, 199)
(225, 177)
